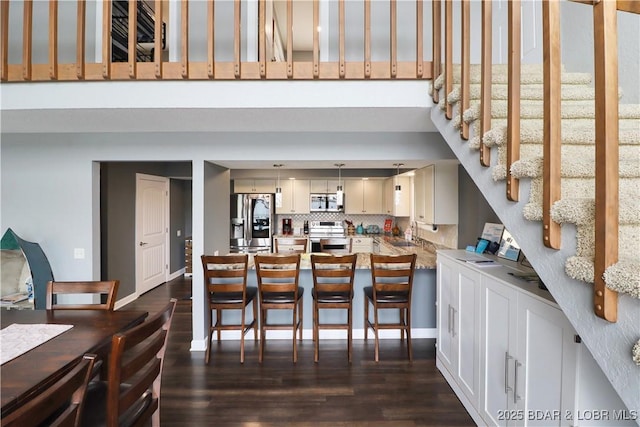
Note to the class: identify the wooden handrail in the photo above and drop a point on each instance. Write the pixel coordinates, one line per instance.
(513, 103)
(552, 183)
(486, 80)
(465, 65)
(607, 157)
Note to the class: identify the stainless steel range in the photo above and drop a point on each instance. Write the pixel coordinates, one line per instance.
(324, 230)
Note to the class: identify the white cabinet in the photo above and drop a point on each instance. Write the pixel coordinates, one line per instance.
(295, 197)
(508, 353)
(361, 245)
(363, 196)
(404, 207)
(458, 315)
(254, 186)
(436, 194)
(529, 358)
(323, 186)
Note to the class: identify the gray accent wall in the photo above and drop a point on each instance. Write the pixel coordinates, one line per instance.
(473, 210)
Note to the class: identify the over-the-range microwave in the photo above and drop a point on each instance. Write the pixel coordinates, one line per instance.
(325, 203)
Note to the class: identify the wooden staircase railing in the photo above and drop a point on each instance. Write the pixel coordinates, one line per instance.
(606, 100)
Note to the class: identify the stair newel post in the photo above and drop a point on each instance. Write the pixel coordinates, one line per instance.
(513, 103)
(465, 63)
(552, 121)
(448, 56)
(486, 79)
(607, 156)
(436, 65)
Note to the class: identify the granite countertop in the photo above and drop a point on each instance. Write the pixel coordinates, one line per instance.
(388, 245)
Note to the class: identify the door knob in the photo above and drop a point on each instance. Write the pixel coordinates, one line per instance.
(142, 243)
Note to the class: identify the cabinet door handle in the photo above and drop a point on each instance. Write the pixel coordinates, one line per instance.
(449, 320)
(453, 321)
(507, 389)
(516, 396)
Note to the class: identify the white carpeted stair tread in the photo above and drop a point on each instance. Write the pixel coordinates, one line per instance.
(535, 110)
(572, 131)
(586, 152)
(572, 167)
(528, 76)
(623, 276)
(527, 92)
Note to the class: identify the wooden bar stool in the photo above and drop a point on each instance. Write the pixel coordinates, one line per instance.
(226, 279)
(278, 289)
(392, 282)
(333, 289)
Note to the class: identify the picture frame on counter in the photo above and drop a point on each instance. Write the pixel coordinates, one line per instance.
(509, 248)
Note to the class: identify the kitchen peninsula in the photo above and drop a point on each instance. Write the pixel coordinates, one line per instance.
(423, 322)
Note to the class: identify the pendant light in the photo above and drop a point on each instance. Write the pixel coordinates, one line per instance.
(278, 188)
(398, 189)
(339, 191)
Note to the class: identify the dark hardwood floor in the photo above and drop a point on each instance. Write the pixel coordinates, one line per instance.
(393, 392)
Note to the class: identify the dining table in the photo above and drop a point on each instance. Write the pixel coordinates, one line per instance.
(90, 331)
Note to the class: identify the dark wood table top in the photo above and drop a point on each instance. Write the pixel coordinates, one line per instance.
(33, 371)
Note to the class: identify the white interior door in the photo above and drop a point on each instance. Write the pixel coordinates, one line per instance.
(152, 231)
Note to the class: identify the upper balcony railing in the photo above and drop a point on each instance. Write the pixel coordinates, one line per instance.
(221, 39)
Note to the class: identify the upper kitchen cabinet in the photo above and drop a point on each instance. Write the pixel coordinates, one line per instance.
(323, 186)
(436, 194)
(295, 197)
(254, 186)
(404, 207)
(363, 196)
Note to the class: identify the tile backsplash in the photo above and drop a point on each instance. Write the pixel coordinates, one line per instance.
(446, 235)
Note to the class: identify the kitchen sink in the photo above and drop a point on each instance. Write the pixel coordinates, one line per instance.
(403, 244)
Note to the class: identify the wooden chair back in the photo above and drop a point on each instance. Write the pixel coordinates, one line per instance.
(226, 273)
(61, 404)
(277, 273)
(336, 245)
(136, 360)
(107, 287)
(392, 273)
(333, 273)
(291, 245)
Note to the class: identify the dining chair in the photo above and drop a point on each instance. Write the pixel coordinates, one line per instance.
(131, 394)
(290, 245)
(336, 245)
(278, 290)
(108, 288)
(226, 279)
(391, 288)
(333, 289)
(62, 403)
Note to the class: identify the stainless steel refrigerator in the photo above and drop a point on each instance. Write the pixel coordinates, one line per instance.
(251, 223)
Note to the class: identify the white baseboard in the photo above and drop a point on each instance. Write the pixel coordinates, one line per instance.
(307, 334)
(473, 412)
(176, 274)
(126, 300)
